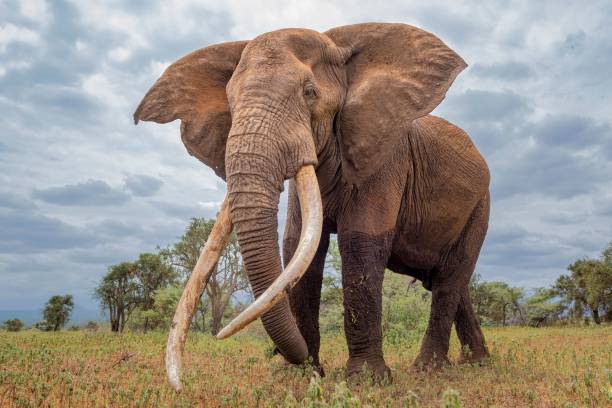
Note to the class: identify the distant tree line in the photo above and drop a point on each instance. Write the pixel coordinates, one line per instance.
(584, 294)
(56, 314)
(143, 294)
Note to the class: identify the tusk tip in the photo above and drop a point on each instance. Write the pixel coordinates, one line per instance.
(173, 372)
(224, 334)
(175, 382)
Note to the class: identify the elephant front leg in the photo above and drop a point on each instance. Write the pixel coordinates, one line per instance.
(363, 264)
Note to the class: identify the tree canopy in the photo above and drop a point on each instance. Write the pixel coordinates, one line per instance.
(13, 325)
(588, 287)
(56, 313)
(131, 285)
(227, 279)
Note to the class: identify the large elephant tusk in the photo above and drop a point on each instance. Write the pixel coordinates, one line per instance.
(216, 243)
(312, 222)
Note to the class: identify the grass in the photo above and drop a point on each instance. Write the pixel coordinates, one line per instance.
(547, 367)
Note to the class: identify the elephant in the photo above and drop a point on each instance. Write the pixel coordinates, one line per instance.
(344, 115)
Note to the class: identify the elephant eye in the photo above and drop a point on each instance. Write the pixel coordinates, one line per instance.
(310, 91)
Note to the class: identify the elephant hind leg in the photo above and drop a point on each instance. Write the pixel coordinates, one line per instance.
(449, 289)
(473, 348)
(434, 349)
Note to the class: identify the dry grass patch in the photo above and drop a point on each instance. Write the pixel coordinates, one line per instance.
(547, 367)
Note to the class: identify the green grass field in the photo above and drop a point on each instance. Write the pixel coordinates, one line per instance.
(548, 367)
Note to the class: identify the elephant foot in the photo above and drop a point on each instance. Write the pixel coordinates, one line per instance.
(473, 357)
(373, 369)
(431, 361)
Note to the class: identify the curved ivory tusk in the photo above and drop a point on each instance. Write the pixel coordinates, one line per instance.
(312, 222)
(216, 243)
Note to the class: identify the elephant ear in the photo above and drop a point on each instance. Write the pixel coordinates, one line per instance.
(396, 73)
(193, 90)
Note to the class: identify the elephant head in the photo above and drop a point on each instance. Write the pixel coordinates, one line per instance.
(259, 112)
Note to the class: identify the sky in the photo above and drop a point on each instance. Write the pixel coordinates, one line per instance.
(82, 188)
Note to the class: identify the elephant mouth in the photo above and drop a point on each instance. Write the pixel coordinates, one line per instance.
(312, 220)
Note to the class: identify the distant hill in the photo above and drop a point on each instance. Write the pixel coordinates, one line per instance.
(78, 316)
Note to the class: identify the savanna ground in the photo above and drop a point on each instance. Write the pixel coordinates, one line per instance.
(544, 367)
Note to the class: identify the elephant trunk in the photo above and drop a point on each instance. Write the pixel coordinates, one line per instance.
(254, 180)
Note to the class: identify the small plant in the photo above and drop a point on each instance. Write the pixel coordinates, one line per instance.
(343, 397)
(450, 399)
(411, 401)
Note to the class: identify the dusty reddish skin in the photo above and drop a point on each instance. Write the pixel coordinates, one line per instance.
(401, 188)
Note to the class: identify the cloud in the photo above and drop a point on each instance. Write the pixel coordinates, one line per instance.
(24, 232)
(11, 201)
(35, 10)
(143, 185)
(476, 105)
(562, 157)
(87, 193)
(115, 229)
(506, 71)
(83, 188)
(11, 33)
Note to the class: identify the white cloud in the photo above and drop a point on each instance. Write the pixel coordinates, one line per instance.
(11, 33)
(35, 10)
(101, 87)
(13, 65)
(158, 68)
(120, 54)
(209, 204)
(71, 76)
(81, 45)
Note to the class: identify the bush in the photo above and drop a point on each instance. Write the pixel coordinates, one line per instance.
(13, 325)
(43, 326)
(92, 326)
(405, 310)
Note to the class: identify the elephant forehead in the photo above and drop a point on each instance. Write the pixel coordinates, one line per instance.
(282, 46)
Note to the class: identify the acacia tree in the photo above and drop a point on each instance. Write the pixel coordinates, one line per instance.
(57, 312)
(497, 302)
(152, 274)
(165, 301)
(606, 282)
(13, 325)
(227, 279)
(118, 292)
(588, 286)
(131, 286)
(541, 307)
